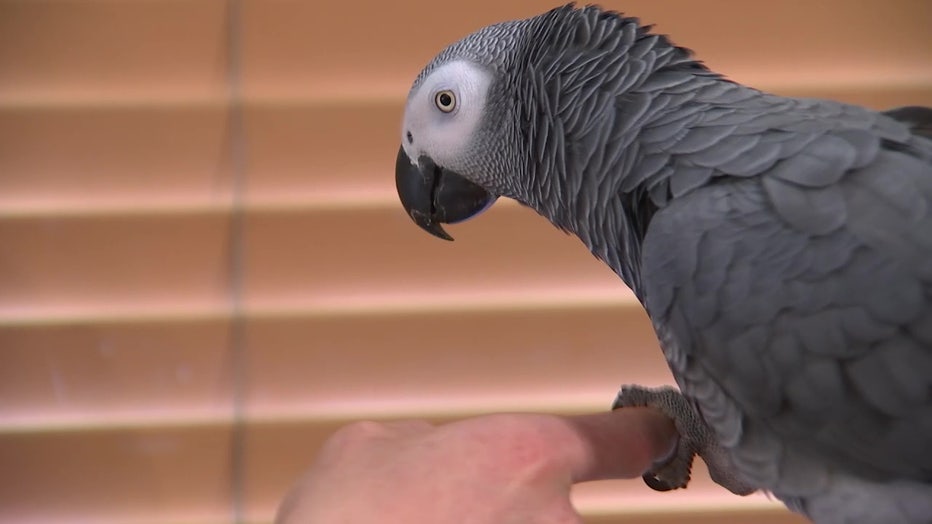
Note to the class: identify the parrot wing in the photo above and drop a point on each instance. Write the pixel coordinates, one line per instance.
(918, 118)
(794, 301)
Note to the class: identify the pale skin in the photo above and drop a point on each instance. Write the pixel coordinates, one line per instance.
(501, 469)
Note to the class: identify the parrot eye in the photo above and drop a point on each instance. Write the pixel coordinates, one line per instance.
(445, 100)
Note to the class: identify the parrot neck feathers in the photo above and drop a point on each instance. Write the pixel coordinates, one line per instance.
(585, 83)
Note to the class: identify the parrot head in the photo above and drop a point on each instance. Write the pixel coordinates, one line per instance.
(548, 111)
(458, 134)
(531, 110)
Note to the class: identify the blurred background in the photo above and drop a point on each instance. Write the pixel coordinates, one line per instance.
(204, 269)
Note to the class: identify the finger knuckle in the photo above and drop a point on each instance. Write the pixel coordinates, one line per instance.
(361, 429)
(355, 433)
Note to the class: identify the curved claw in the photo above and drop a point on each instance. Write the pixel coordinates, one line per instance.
(656, 483)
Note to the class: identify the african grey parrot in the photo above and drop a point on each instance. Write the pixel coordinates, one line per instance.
(781, 247)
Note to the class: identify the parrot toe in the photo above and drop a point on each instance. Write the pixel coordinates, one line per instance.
(672, 473)
(696, 438)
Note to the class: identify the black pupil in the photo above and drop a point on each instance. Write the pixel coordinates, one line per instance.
(445, 99)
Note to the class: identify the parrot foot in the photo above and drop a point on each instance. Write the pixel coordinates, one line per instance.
(696, 438)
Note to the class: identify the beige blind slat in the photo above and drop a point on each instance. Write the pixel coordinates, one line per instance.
(353, 254)
(103, 265)
(102, 372)
(116, 192)
(469, 361)
(111, 51)
(100, 157)
(326, 154)
(145, 474)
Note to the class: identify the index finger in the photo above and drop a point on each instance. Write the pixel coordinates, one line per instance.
(619, 444)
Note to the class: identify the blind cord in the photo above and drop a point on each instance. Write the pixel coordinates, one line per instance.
(238, 159)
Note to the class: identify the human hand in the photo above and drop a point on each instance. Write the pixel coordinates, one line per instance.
(501, 469)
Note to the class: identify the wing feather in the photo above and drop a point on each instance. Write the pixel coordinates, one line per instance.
(807, 300)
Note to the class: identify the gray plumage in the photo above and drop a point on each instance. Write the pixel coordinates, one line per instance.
(782, 247)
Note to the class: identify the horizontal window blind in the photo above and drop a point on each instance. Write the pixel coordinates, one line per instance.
(148, 375)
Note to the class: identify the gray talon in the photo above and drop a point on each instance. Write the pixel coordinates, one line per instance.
(656, 483)
(696, 438)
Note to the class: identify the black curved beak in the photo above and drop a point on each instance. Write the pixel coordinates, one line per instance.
(432, 195)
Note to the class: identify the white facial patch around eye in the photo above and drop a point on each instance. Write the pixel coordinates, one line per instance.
(444, 135)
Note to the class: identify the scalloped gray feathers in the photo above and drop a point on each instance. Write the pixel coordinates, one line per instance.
(782, 247)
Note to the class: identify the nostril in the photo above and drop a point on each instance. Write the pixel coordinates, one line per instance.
(410, 137)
